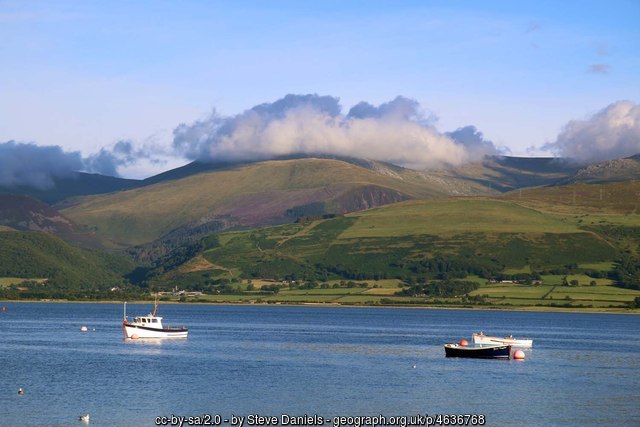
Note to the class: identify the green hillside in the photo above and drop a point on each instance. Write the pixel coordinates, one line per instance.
(436, 252)
(59, 267)
(25, 213)
(340, 232)
(619, 201)
(258, 194)
(407, 239)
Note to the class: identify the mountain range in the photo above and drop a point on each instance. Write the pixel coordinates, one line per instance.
(153, 218)
(198, 198)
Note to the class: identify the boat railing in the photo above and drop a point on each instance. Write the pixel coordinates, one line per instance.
(182, 328)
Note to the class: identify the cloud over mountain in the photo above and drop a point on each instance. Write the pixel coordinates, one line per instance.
(31, 165)
(396, 132)
(35, 166)
(611, 133)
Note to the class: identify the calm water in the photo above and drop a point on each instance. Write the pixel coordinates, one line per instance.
(584, 369)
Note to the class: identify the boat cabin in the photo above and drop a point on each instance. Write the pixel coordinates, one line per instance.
(149, 321)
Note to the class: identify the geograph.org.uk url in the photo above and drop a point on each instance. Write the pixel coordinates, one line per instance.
(411, 420)
(317, 420)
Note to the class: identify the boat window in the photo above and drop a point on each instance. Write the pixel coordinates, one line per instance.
(154, 320)
(144, 320)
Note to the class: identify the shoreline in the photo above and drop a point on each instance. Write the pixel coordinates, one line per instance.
(532, 309)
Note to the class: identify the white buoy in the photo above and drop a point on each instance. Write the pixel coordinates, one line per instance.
(84, 328)
(134, 337)
(20, 391)
(84, 418)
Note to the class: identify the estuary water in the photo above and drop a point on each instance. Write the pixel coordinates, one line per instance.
(584, 369)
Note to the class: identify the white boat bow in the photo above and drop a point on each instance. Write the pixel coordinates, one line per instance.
(480, 338)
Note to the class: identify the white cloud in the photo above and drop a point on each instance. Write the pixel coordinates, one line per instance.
(611, 133)
(394, 132)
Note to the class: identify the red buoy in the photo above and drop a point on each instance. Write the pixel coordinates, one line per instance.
(4, 308)
(518, 355)
(464, 342)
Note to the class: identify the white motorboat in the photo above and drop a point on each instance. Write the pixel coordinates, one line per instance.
(150, 326)
(479, 338)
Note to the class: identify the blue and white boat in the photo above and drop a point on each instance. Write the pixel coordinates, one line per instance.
(150, 326)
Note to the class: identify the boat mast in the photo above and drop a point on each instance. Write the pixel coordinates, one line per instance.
(155, 304)
(125, 311)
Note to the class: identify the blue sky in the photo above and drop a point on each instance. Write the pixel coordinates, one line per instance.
(85, 75)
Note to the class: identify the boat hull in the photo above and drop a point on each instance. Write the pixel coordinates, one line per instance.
(488, 352)
(481, 339)
(143, 332)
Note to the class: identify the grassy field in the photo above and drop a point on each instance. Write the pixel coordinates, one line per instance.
(583, 279)
(600, 266)
(552, 293)
(526, 269)
(451, 217)
(616, 202)
(597, 298)
(8, 281)
(601, 297)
